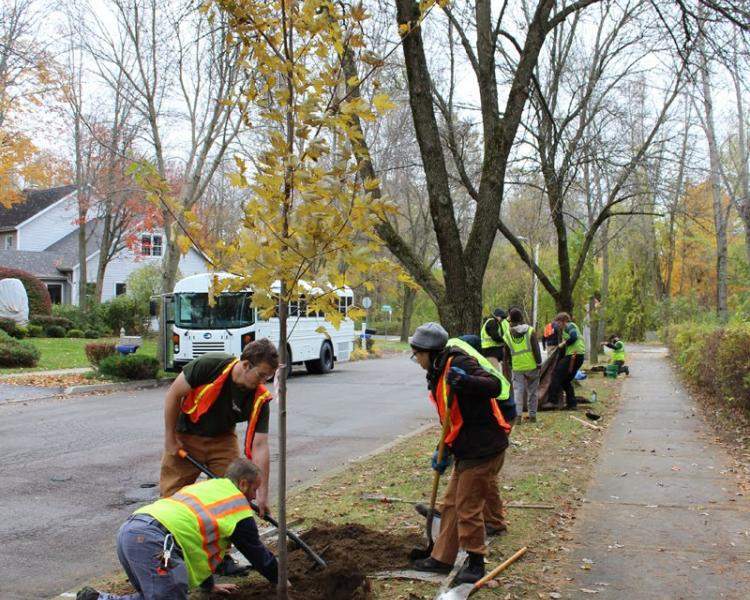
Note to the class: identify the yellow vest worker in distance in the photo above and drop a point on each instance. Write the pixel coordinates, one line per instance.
(202, 407)
(176, 543)
(567, 366)
(526, 358)
(492, 335)
(618, 353)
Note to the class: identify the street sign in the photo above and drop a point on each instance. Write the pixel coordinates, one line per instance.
(366, 302)
(386, 308)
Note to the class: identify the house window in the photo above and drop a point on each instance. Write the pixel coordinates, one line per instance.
(8, 241)
(151, 245)
(55, 292)
(120, 289)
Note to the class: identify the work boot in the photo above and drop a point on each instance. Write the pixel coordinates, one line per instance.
(418, 553)
(431, 565)
(230, 568)
(472, 572)
(87, 593)
(491, 530)
(424, 510)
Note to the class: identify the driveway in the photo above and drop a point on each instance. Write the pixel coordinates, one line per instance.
(74, 468)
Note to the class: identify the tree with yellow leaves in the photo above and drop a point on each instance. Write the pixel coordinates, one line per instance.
(308, 215)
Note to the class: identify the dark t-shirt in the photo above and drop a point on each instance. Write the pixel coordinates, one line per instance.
(231, 407)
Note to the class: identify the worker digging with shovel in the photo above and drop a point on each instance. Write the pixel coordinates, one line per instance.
(176, 544)
(475, 433)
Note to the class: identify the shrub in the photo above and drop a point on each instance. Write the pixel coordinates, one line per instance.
(96, 352)
(132, 366)
(46, 321)
(91, 334)
(92, 318)
(39, 301)
(11, 328)
(4, 337)
(18, 354)
(75, 333)
(35, 330)
(715, 358)
(125, 311)
(55, 331)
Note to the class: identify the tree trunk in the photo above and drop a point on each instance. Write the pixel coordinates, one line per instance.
(81, 194)
(409, 297)
(602, 312)
(720, 221)
(460, 311)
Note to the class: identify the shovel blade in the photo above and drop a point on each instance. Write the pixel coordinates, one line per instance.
(460, 592)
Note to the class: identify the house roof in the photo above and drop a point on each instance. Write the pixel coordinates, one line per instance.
(66, 248)
(34, 202)
(45, 265)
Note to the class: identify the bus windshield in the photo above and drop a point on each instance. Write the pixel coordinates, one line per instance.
(231, 310)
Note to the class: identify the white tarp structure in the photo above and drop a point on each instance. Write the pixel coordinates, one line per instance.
(14, 303)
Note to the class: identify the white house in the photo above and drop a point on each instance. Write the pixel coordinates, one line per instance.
(40, 236)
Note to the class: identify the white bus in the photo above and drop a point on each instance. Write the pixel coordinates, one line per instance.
(232, 322)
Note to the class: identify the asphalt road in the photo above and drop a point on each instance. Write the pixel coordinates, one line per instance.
(72, 469)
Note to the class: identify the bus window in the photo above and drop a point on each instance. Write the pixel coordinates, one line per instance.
(231, 310)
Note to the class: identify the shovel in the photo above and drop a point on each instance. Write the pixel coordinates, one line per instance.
(267, 518)
(463, 591)
(436, 480)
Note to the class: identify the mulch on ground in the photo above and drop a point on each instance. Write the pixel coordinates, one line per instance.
(352, 552)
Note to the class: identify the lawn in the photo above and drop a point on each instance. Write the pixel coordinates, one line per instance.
(68, 353)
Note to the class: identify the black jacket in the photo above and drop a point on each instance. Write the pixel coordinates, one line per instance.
(481, 436)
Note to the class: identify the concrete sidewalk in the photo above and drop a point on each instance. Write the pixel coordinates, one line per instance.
(663, 518)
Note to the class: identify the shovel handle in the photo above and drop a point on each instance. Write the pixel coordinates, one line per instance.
(501, 567)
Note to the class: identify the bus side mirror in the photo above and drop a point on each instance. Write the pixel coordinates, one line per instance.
(153, 307)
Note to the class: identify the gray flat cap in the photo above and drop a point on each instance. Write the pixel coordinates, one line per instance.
(430, 336)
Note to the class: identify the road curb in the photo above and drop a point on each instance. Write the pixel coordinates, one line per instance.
(120, 386)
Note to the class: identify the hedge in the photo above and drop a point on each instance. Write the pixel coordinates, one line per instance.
(55, 331)
(39, 300)
(714, 358)
(11, 328)
(47, 321)
(96, 352)
(18, 354)
(132, 366)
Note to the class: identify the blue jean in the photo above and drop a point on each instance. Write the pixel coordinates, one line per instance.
(140, 542)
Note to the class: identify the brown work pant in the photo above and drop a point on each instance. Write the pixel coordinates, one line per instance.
(463, 516)
(214, 452)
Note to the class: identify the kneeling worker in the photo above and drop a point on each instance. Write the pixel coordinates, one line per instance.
(176, 543)
(618, 353)
(464, 393)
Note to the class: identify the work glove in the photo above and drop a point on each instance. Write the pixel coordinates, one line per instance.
(441, 466)
(457, 377)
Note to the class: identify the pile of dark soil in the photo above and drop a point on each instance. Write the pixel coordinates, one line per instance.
(352, 552)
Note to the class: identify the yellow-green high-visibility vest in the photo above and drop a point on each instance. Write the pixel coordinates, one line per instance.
(487, 340)
(484, 363)
(522, 357)
(618, 353)
(579, 346)
(202, 518)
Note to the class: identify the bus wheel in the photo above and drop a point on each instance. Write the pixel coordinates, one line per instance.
(324, 364)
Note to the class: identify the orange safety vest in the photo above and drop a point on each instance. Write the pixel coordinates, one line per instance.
(199, 400)
(456, 421)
